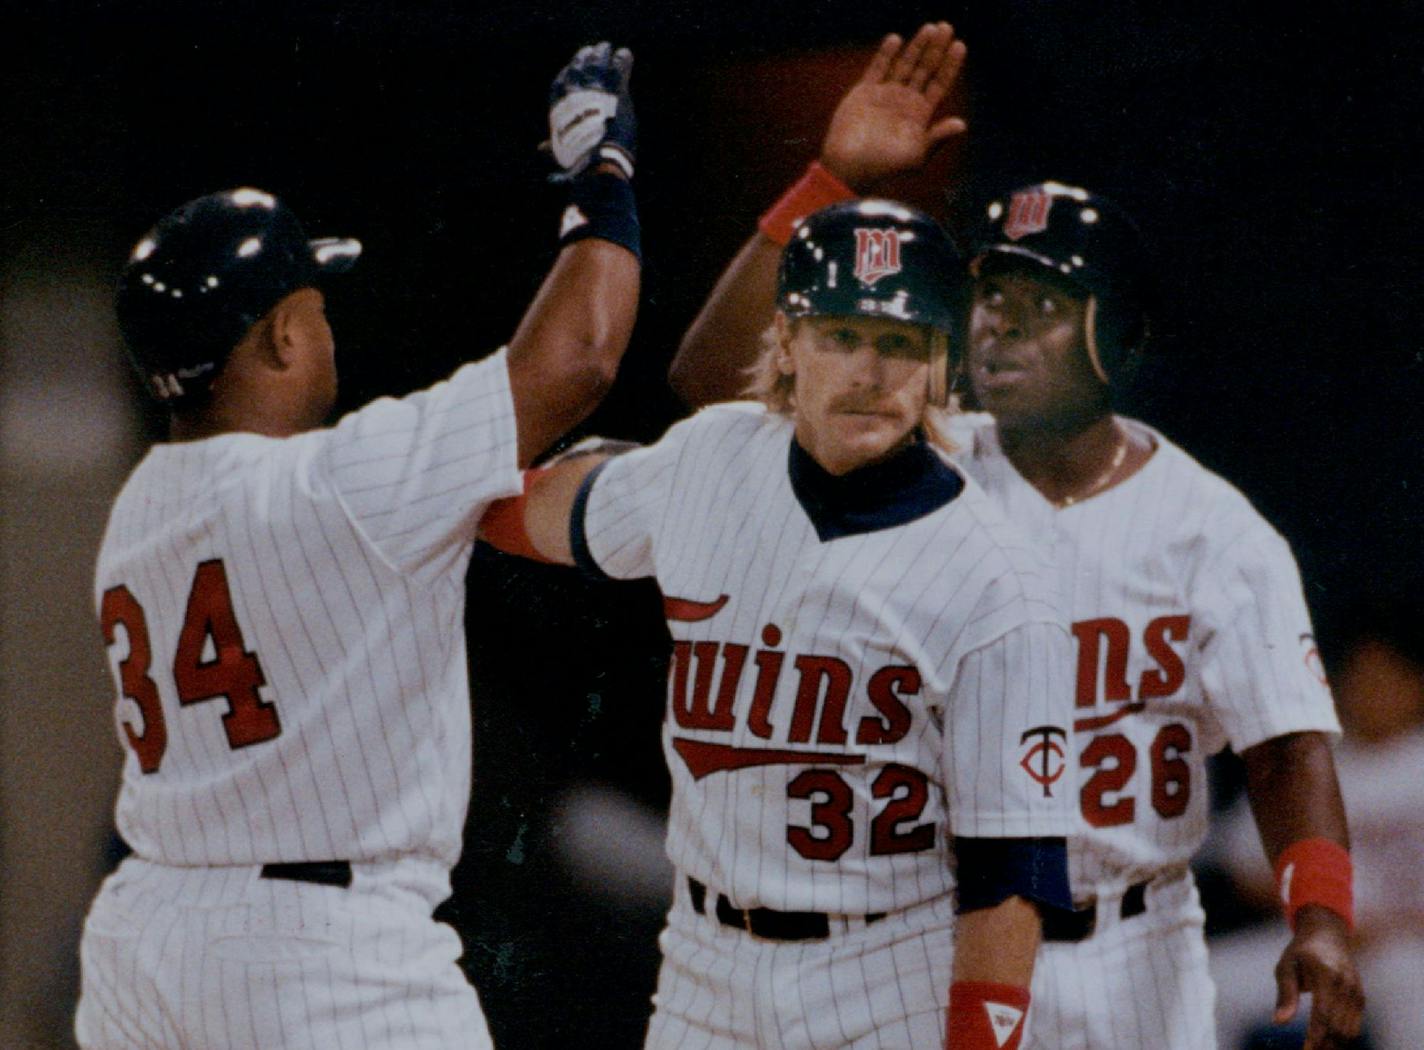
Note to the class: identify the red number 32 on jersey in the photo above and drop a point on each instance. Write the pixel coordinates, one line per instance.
(230, 672)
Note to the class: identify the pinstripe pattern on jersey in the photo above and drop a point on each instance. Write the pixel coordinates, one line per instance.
(344, 553)
(219, 958)
(1173, 539)
(355, 614)
(415, 473)
(1137, 982)
(880, 987)
(953, 596)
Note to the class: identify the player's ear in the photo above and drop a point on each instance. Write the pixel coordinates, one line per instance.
(291, 324)
(784, 328)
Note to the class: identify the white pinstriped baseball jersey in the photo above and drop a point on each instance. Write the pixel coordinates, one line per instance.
(838, 707)
(1191, 632)
(285, 623)
(218, 958)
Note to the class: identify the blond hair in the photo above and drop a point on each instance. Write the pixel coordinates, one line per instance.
(767, 383)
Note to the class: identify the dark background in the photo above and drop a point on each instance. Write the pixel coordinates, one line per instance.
(1268, 156)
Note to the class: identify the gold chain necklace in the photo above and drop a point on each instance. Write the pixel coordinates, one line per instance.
(1119, 454)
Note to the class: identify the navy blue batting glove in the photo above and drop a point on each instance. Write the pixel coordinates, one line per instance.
(591, 112)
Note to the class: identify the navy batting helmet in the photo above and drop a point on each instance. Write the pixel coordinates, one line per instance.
(1085, 239)
(875, 258)
(197, 281)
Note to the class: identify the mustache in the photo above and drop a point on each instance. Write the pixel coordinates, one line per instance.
(859, 403)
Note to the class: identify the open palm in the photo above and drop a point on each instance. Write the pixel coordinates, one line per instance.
(885, 123)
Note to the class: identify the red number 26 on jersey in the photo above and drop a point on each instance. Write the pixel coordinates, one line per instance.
(230, 672)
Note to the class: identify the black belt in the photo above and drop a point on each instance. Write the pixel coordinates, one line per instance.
(1072, 926)
(765, 922)
(321, 872)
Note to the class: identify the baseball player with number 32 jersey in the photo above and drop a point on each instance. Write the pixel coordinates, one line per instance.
(1187, 615)
(859, 723)
(283, 605)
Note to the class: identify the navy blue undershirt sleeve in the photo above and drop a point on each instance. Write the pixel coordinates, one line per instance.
(578, 538)
(990, 871)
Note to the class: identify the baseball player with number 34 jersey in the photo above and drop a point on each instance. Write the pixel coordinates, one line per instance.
(283, 605)
(1187, 615)
(867, 704)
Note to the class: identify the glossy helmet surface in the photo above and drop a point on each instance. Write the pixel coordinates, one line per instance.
(209, 270)
(875, 258)
(1085, 239)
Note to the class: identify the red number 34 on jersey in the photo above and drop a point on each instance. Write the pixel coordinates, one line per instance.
(211, 661)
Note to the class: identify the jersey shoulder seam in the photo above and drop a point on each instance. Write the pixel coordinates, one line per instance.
(322, 452)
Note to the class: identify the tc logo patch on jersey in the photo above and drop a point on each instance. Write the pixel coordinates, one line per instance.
(1028, 213)
(877, 254)
(1043, 757)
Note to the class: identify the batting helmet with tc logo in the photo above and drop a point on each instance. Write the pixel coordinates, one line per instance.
(876, 258)
(1085, 239)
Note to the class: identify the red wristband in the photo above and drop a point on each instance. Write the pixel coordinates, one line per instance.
(815, 190)
(984, 1015)
(1316, 871)
(502, 526)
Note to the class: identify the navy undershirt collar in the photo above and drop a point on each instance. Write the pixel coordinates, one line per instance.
(909, 485)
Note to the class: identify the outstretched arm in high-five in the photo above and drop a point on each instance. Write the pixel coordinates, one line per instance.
(884, 125)
(565, 353)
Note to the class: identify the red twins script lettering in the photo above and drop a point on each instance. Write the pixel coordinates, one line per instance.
(702, 699)
(1104, 648)
(705, 681)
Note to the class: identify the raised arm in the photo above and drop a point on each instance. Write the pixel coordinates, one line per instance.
(565, 353)
(883, 126)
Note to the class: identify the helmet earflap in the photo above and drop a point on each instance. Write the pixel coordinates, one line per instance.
(1113, 332)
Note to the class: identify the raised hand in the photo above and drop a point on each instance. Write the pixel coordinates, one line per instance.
(885, 123)
(591, 112)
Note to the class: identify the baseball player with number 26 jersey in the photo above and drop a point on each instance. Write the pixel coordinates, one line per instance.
(1189, 624)
(283, 605)
(1191, 633)
(867, 704)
